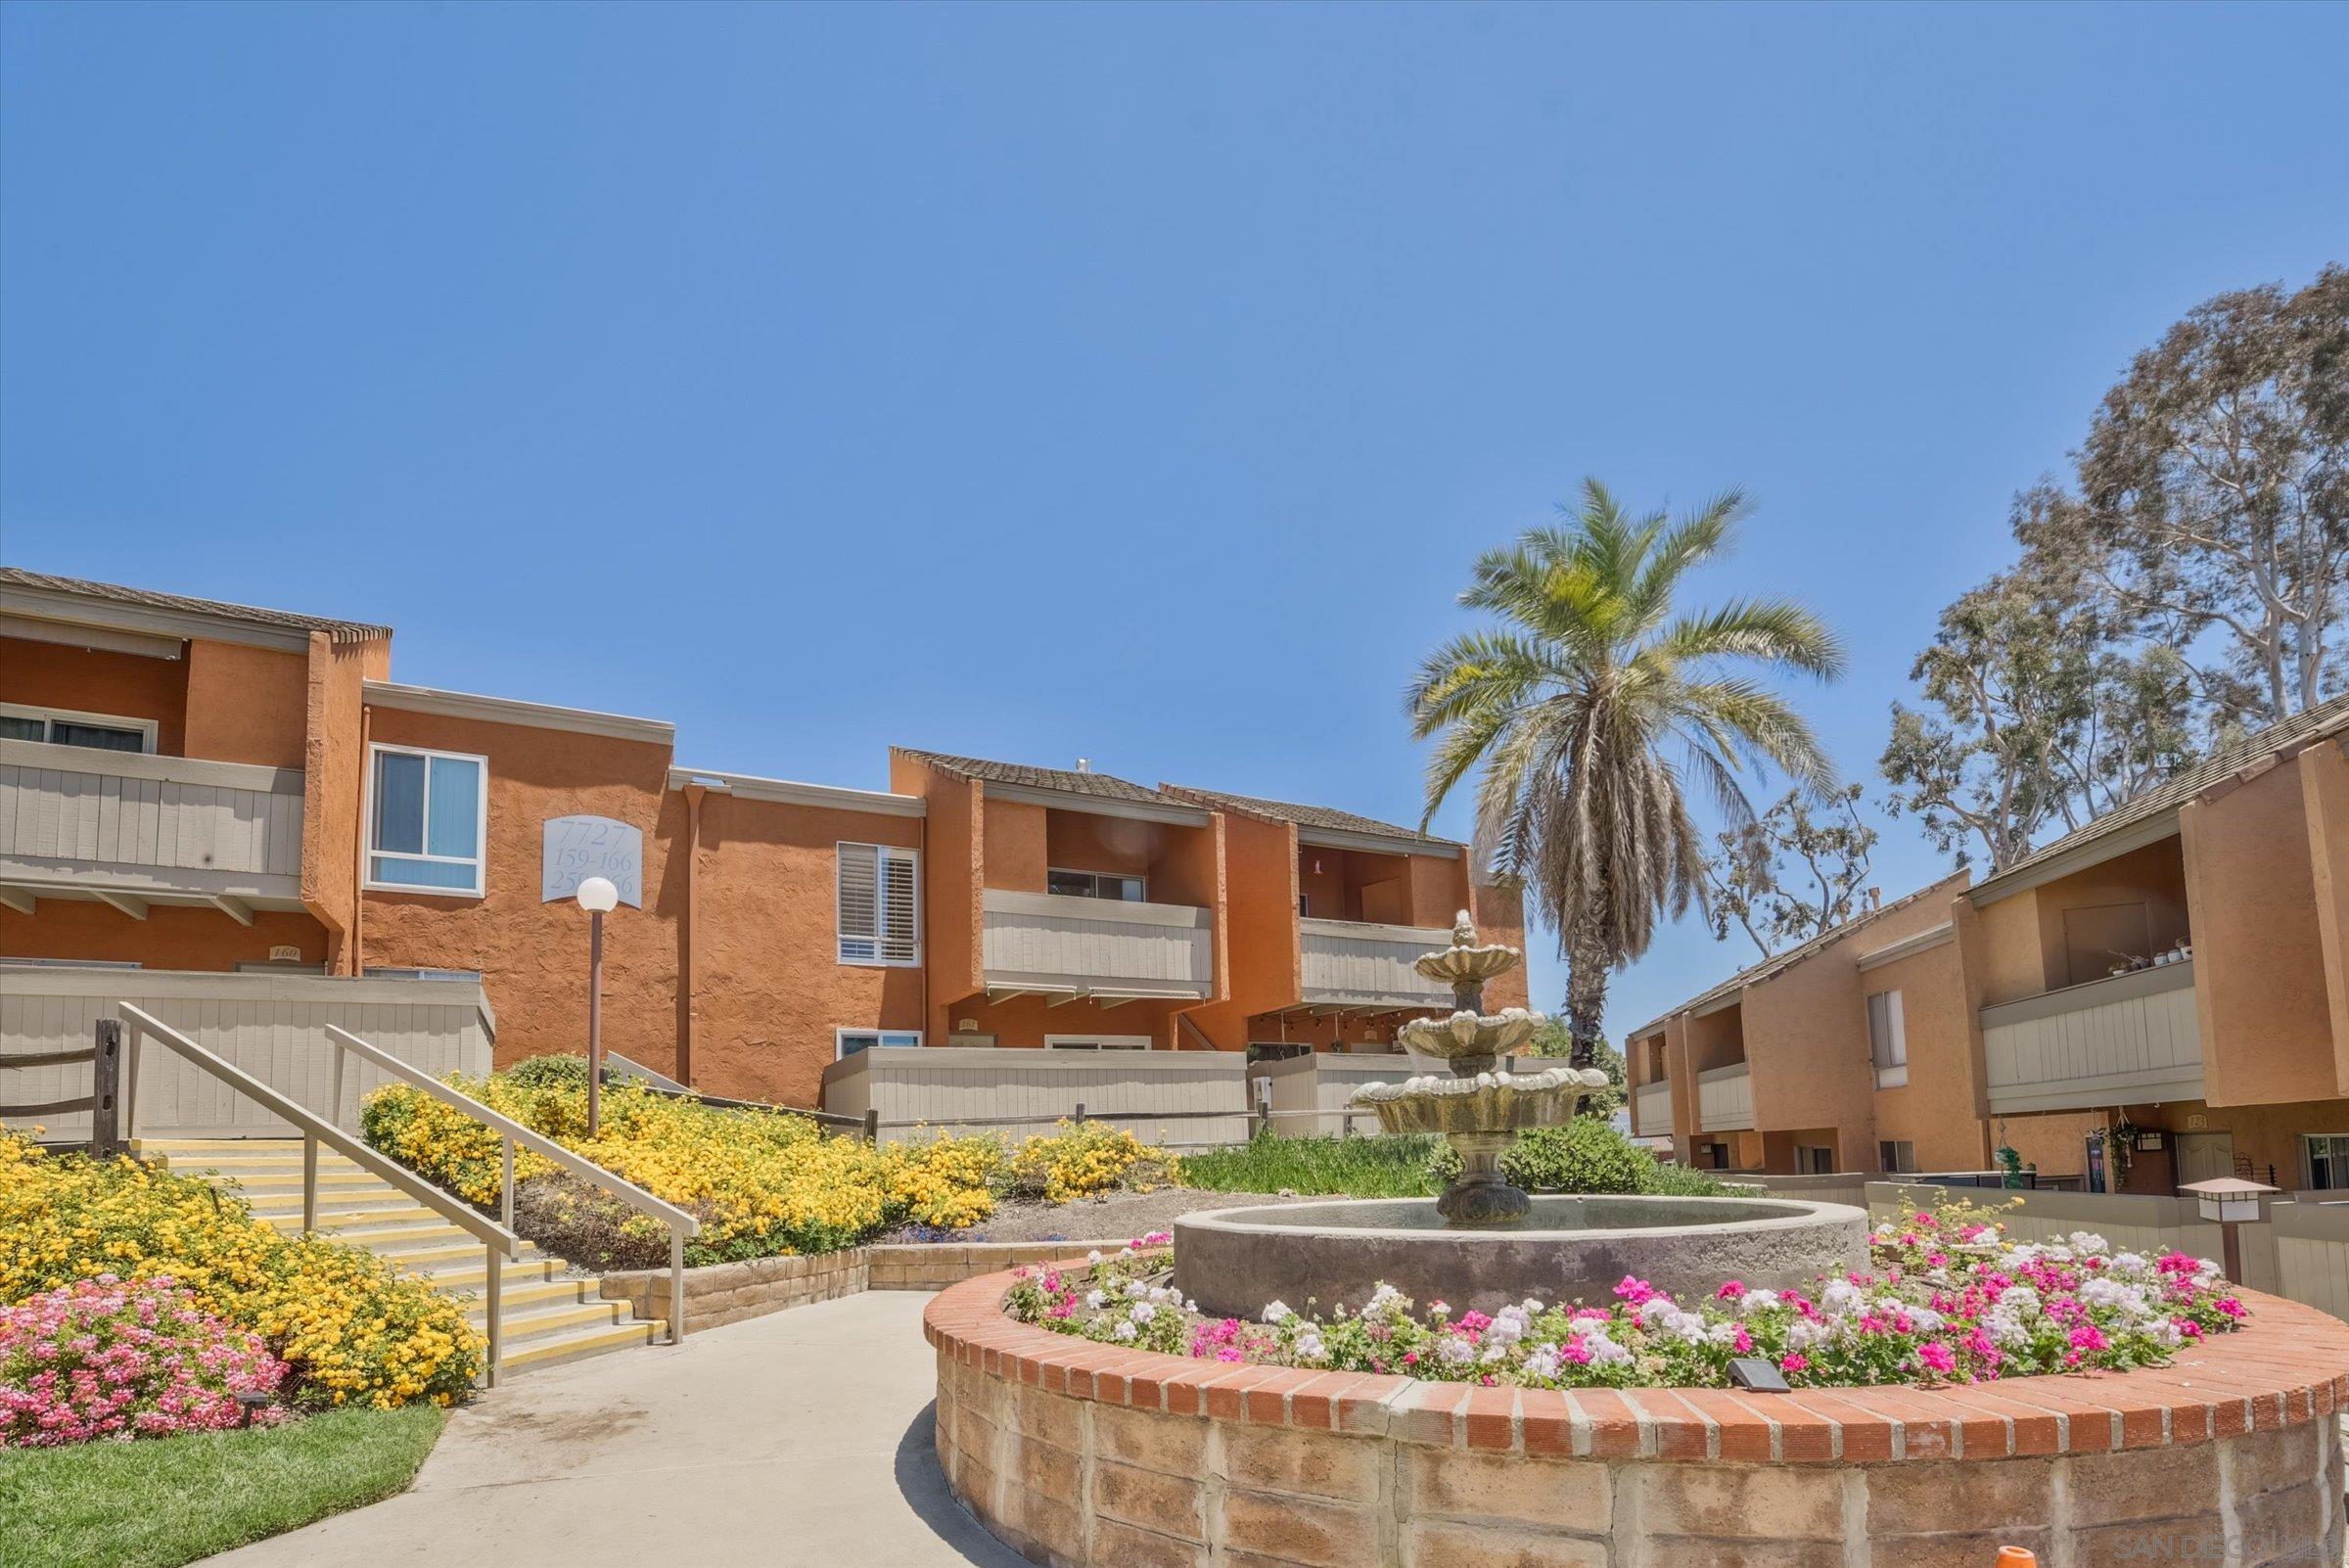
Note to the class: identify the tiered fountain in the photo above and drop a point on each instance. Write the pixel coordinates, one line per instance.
(1485, 1241)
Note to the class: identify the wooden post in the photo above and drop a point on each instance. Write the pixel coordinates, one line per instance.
(1081, 1113)
(105, 1084)
(872, 1126)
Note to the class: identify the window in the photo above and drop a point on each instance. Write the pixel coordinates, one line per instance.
(1888, 1040)
(880, 905)
(2327, 1160)
(1812, 1160)
(847, 1042)
(427, 815)
(1897, 1156)
(1097, 1042)
(59, 726)
(1097, 885)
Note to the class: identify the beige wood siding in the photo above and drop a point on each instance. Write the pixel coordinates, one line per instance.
(140, 823)
(273, 1025)
(998, 1088)
(2312, 1254)
(1724, 1099)
(1350, 961)
(1311, 1095)
(2131, 1038)
(1046, 939)
(1651, 1110)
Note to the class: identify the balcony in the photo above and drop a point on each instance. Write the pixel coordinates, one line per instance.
(1047, 942)
(127, 828)
(1724, 1099)
(1651, 1111)
(1353, 963)
(2128, 1039)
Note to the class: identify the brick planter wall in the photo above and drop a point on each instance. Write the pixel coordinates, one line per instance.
(727, 1293)
(1081, 1453)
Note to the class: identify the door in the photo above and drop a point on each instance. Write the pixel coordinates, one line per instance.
(2205, 1155)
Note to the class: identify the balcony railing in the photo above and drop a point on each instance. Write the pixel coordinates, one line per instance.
(1724, 1098)
(91, 822)
(1356, 963)
(1053, 941)
(2128, 1040)
(1651, 1111)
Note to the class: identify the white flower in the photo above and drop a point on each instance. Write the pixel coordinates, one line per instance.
(1841, 1295)
(2088, 1243)
(1124, 1330)
(1456, 1350)
(1686, 1327)
(1543, 1360)
(1137, 1290)
(1309, 1345)
(1655, 1307)
(1277, 1311)
(1721, 1334)
(1094, 1298)
(1531, 1307)
(1604, 1352)
(1094, 1255)
(1144, 1312)
(1758, 1301)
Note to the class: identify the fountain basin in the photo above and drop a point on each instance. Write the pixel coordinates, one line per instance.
(1232, 1262)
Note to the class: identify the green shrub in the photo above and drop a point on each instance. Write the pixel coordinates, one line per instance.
(1586, 1155)
(549, 1072)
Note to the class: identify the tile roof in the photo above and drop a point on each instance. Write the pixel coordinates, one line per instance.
(2287, 738)
(1780, 961)
(1310, 816)
(1107, 786)
(148, 599)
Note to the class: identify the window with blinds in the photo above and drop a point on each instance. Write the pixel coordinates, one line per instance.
(1888, 1038)
(880, 912)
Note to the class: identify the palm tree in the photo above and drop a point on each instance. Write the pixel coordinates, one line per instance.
(1572, 704)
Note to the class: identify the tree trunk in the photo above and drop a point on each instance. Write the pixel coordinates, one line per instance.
(1587, 965)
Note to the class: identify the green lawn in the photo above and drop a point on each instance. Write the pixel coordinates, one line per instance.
(161, 1502)
(1358, 1167)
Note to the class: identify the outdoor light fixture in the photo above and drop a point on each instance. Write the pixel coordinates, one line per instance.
(598, 895)
(248, 1403)
(1756, 1372)
(2229, 1201)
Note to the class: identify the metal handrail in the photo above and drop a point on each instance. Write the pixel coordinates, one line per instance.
(512, 1133)
(498, 1241)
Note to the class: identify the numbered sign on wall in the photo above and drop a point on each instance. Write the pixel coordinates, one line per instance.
(577, 848)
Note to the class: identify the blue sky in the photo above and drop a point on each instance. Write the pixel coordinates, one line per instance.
(1135, 383)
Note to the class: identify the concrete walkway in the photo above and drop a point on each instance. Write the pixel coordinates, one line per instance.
(798, 1439)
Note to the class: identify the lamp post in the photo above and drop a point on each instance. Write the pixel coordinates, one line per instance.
(2230, 1200)
(596, 894)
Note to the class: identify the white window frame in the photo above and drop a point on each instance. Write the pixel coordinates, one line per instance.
(1892, 1149)
(879, 958)
(1078, 871)
(843, 1033)
(1894, 1073)
(147, 728)
(1107, 1042)
(479, 860)
(2308, 1159)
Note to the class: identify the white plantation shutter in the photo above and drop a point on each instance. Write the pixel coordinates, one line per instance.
(880, 909)
(901, 916)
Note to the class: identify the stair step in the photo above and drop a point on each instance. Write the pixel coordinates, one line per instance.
(457, 1275)
(271, 1205)
(560, 1290)
(360, 1226)
(291, 1182)
(528, 1326)
(556, 1349)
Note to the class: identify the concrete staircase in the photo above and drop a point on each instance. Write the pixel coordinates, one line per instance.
(545, 1316)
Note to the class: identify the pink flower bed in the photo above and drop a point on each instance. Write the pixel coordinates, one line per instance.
(107, 1359)
(1939, 1302)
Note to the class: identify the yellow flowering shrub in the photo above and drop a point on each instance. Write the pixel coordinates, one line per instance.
(355, 1330)
(946, 1182)
(760, 1182)
(1084, 1158)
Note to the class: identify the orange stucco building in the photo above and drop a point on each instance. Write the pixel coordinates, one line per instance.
(2153, 999)
(196, 786)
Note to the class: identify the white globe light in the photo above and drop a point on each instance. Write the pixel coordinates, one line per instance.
(598, 894)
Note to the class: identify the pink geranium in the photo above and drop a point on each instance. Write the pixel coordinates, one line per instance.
(105, 1358)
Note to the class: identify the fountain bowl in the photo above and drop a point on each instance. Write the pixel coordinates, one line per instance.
(1234, 1261)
